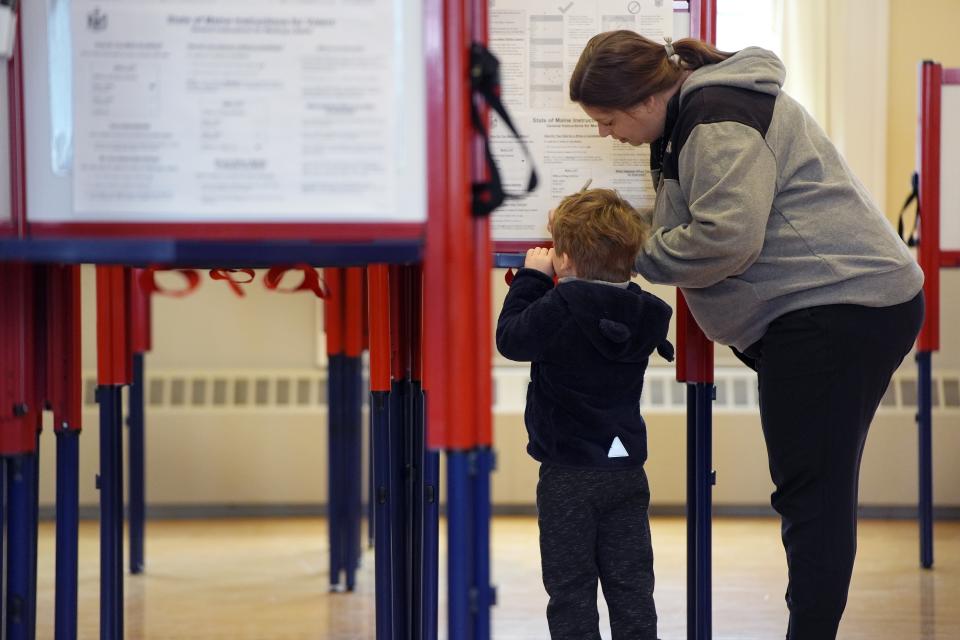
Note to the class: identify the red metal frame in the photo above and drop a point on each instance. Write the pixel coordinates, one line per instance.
(416, 322)
(64, 380)
(482, 306)
(694, 349)
(434, 274)
(326, 232)
(114, 325)
(353, 312)
(928, 254)
(460, 319)
(400, 347)
(379, 318)
(332, 311)
(703, 20)
(18, 174)
(141, 315)
(18, 394)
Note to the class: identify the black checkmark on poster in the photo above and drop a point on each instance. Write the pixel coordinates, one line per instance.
(566, 8)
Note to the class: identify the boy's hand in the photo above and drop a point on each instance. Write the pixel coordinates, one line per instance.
(541, 259)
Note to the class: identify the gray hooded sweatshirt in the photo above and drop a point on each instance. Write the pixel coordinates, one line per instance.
(757, 214)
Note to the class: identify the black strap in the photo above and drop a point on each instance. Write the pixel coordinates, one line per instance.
(485, 80)
(911, 240)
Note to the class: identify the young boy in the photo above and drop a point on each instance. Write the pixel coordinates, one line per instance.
(589, 339)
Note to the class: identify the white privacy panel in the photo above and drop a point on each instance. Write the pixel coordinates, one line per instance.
(950, 168)
(218, 111)
(538, 43)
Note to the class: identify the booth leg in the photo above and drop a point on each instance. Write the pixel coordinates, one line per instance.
(925, 454)
(431, 533)
(352, 480)
(136, 453)
(459, 545)
(700, 480)
(691, 512)
(110, 483)
(383, 556)
(415, 497)
(705, 481)
(335, 462)
(399, 508)
(481, 555)
(68, 498)
(21, 547)
(371, 481)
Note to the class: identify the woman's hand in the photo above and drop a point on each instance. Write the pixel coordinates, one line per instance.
(541, 259)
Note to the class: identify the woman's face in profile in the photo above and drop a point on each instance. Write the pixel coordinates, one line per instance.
(639, 125)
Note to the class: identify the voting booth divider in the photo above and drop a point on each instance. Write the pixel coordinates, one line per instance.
(938, 247)
(129, 179)
(163, 134)
(525, 222)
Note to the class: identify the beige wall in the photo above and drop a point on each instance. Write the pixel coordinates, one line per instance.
(919, 30)
(258, 457)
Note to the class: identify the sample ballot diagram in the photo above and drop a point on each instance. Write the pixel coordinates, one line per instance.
(546, 62)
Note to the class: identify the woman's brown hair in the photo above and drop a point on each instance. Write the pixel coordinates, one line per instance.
(621, 69)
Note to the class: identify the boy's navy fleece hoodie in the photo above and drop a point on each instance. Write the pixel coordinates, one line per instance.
(589, 343)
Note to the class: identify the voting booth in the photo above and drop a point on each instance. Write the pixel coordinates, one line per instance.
(253, 133)
(938, 247)
(241, 134)
(538, 45)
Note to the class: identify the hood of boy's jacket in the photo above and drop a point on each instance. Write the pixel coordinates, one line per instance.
(612, 318)
(752, 68)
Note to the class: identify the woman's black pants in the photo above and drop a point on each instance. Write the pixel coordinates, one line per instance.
(822, 372)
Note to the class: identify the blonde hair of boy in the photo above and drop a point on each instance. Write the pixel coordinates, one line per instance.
(600, 232)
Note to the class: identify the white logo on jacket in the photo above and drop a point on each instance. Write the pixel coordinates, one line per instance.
(617, 450)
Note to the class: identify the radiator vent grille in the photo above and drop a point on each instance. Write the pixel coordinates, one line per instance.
(307, 391)
(236, 390)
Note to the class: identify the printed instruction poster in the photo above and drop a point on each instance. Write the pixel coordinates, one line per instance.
(249, 110)
(538, 43)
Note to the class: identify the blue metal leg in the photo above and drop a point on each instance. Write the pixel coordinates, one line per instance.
(371, 480)
(68, 497)
(481, 540)
(691, 511)
(459, 545)
(335, 465)
(110, 483)
(705, 478)
(431, 532)
(399, 506)
(34, 523)
(925, 454)
(415, 453)
(383, 559)
(21, 547)
(352, 485)
(136, 455)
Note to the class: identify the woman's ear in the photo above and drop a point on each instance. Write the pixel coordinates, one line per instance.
(650, 104)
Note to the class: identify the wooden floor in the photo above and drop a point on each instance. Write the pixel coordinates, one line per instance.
(267, 580)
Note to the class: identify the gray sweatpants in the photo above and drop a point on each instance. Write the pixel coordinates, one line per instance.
(594, 525)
